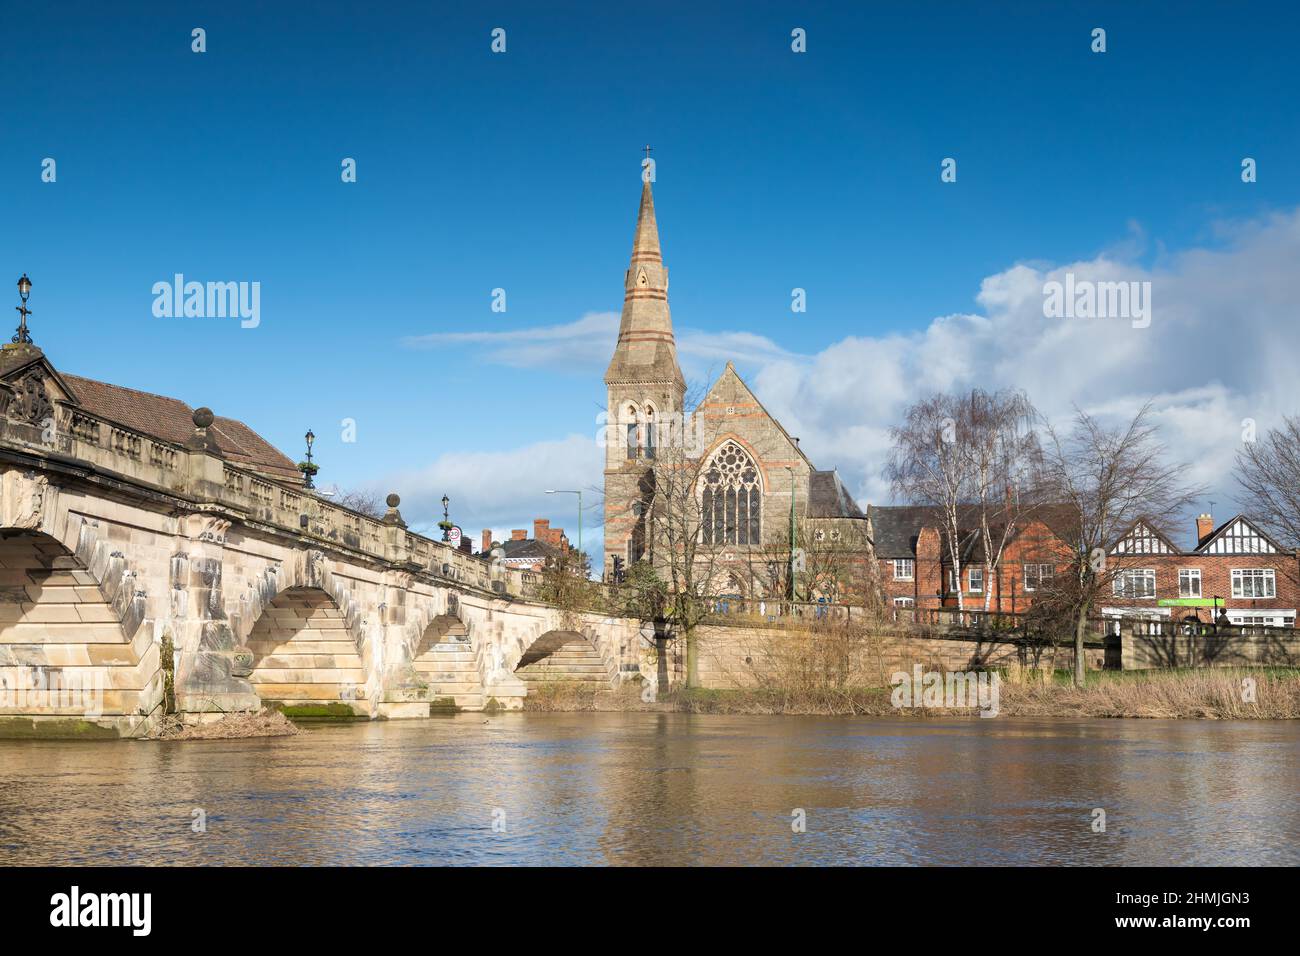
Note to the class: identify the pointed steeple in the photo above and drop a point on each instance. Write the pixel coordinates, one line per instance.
(645, 244)
(646, 351)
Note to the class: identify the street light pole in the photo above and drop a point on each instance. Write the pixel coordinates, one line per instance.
(791, 470)
(565, 491)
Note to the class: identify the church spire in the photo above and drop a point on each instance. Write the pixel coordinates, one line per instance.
(645, 244)
(646, 351)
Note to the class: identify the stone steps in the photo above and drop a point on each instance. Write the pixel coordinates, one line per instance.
(575, 663)
(451, 670)
(303, 653)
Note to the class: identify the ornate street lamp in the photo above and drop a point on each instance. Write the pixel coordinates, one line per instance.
(308, 467)
(445, 523)
(22, 336)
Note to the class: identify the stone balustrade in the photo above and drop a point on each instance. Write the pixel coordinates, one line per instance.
(204, 478)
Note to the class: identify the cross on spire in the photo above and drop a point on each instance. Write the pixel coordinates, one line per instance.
(647, 150)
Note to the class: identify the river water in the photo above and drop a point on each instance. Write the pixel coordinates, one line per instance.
(666, 789)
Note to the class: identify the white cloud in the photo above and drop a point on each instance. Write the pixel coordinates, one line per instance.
(506, 489)
(588, 341)
(1221, 347)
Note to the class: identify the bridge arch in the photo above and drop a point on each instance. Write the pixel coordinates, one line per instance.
(565, 656)
(72, 640)
(448, 662)
(304, 654)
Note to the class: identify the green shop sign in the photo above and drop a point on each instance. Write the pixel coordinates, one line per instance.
(1186, 602)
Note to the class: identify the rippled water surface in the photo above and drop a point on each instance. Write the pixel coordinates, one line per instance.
(667, 789)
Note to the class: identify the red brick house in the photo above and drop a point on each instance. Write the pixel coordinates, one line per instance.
(916, 569)
(1235, 569)
(528, 554)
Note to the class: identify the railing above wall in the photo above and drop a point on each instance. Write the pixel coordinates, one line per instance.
(202, 477)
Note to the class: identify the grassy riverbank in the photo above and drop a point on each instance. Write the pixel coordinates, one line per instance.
(1185, 693)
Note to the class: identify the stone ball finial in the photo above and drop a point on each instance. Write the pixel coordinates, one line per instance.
(203, 417)
(393, 500)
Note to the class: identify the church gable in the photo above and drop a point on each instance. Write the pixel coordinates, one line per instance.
(730, 408)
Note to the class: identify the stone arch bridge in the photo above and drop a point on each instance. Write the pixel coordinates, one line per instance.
(148, 576)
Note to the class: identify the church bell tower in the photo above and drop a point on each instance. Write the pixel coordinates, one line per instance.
(645, 394)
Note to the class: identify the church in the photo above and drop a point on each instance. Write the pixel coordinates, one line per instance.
(711, 489)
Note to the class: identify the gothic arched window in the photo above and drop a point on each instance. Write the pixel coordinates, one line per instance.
(731, 500)
(649, 432)
(633, 443)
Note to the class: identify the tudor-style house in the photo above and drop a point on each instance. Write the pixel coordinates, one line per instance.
(1235, 570)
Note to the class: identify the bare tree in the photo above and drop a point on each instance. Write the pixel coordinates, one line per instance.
(995, 438)
(1268, 472)
(366, 502)
(927, 468)
(1110, 478)
(832, 560)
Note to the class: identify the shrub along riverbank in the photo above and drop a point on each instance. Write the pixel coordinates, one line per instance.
(1218, 694)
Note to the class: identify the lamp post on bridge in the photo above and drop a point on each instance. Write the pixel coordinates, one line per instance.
(22, 336)
(308, 467)
(445, 523)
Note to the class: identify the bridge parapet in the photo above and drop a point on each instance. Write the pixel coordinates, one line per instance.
(74, 436)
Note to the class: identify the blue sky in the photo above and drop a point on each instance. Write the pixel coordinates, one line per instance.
(521, 171)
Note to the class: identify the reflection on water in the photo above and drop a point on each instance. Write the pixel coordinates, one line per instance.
(667, 789)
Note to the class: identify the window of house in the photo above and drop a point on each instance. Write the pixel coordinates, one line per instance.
(1136, 583)
(975, 577)
(1253, 583)
(1262, 618)
(731, 499)
(904, 569)
(1037, 575)
(904, 602)
(1189, 582)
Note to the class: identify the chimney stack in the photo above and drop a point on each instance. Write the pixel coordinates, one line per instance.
(541, 528)
(1204, 527)
(487, 540)
(518, 534)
